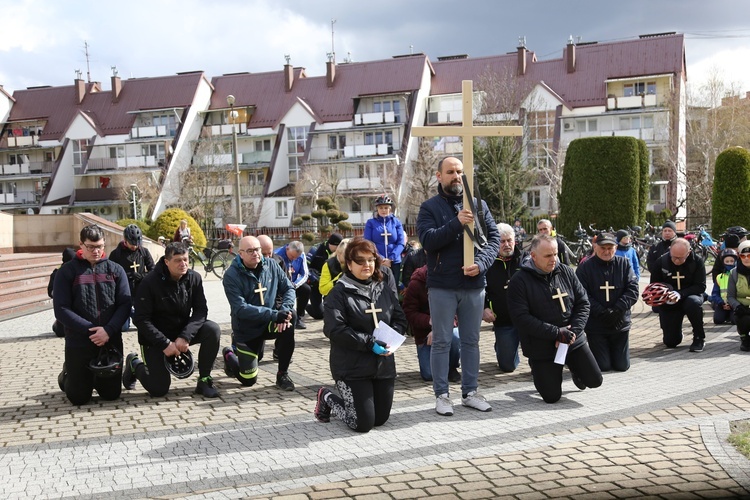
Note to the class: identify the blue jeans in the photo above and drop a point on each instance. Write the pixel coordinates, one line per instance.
(424, 351)
(506, 348)
(445, 305)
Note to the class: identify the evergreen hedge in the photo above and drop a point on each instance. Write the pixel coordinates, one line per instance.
(603, 183)
(731, 196)
(168, 222)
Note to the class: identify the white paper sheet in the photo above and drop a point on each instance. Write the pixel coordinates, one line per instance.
(391, 337)
(562, 352)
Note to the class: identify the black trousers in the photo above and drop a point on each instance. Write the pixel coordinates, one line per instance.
(743, 324)
(80, 382)
(363, 403)
(611, 350)
(153, 374)
(315, 309)
(547, 374)
(670, 319)
(248, 352)
(303, 297)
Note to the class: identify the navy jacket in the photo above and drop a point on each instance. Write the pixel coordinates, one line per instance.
(617, 273)
(441, 235)
(498, 277)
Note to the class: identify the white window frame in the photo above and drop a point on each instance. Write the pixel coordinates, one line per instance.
(282, 209)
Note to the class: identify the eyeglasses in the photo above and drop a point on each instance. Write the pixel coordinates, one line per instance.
(94, 248)
(251, 250)
(362, 261)
(745, 256)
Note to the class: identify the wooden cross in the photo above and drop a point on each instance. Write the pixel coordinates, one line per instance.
(560, 296)
(260, 290)
(607, 287)
(467, 131)
(678, 277)
(374, 313)
(135, 267)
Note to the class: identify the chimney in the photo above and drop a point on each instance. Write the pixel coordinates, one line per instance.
(330, 71)
(116, 88)
(521, 56)
(288, 74)
(570, 52)
(80, 86)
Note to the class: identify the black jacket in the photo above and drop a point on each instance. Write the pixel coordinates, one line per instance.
(127, 258)
(496, 292)
(85, 296)
(538, 317)
(655, 252)
(618, 273)
(166, 309)
(692, 275)
(350, 328)
(319, 257)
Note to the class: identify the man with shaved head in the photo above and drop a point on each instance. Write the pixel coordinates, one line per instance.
(262, 301)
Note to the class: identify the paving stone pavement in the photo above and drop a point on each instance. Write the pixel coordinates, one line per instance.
(658, 430)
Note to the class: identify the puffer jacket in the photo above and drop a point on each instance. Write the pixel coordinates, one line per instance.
(250, 317)
(618, 273)
(166, 309)
(538, 316)
(441, 235)
(85, 296)
(350, 328)
(374, 229)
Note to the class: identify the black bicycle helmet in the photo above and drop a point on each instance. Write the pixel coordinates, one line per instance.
(738, 230)
(133, 234)
(181, 365)
(107, 364)
(383, 199)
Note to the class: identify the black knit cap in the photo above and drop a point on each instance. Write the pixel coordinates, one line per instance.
(671, 225)
(335, 239)
(619, 235)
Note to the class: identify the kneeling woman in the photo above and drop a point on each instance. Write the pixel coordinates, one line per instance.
(364, 370)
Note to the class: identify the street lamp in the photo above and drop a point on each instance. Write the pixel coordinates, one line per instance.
(134, 200)
(235, 163)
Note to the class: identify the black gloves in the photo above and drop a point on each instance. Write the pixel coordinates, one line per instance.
(565, 336)
(613, 318)
(741, 310)
(281, 316)
(137, 277)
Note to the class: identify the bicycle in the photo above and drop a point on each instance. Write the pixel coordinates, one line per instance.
(213, 260)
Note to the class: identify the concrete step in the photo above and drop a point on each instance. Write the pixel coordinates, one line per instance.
(26, 305)
(30, 278)
(20, 264)
(22, 290)
(23, 283)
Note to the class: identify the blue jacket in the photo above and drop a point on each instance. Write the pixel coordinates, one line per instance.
(630, 254)
(374, 229)
(250, 317)
(441, 235)
(296, 269)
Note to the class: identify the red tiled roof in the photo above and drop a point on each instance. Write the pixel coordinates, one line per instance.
(595, 63)
(58, 105)
(266, 92)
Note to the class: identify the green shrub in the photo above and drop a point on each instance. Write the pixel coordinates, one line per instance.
(308, 237)
(126, 222)
(345, 226)
(731, 195)
(168, 222)
(297, 221)
(601, 184)
(645, 184)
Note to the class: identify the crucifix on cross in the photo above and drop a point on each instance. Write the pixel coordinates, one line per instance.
(467, 131)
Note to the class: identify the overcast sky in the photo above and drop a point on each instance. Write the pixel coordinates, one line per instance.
(43, 40)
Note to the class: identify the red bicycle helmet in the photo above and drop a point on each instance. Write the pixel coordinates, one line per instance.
(656, 294)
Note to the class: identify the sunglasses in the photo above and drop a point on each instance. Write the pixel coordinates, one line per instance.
(745, 255)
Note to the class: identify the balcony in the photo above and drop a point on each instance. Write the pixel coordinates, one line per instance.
(630, 102)
(149, 132)
(375, 118)
(97, 164)
(444, 117)
(360, 184)
(23, 168)
(21, 141)
(226, 129)
(96, 194)
(647, 134)
(21, 198)
(244, 159)
(251, 190)
(41, 167)
(358, 151)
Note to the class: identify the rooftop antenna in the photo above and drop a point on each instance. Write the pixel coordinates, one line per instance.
(288, 58)
(522, 41)
(349, 56)
(411, 49)
(329, 56)
(333, 50)
(114, 70)
(78, 74)
(88, 60)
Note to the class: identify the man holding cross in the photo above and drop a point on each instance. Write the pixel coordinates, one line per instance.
(612, 289)
(687, 275)
(362, 367)
(261, 298)
(549, 307)
(455, 288)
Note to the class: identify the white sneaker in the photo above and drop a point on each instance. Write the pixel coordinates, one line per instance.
(444, 405)
(474, 400)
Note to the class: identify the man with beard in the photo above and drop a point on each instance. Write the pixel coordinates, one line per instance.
(506, 264)
(612, 289)
(454, 291)
(549, 307)
(686, 273)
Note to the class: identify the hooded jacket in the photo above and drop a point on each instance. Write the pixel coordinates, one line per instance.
(538, 316)
(498, 277)
(350, 328)
(250, 316)
(441, 235)
(594, 274)
(374, 229)
(85, 296)
(127, 258)
(166, 309)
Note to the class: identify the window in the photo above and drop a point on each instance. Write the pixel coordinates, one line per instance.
(281, 209)
(155, 150)
(356, 205)
(638, 88)
(297, 137)
(336, 142)
(169, 121)
(255, 178)
(117, 152)
(264, 145)
(49, 156)
(14, 159)
(534, 198)
(364, 171)
(651, 87)
(294, 167)
(79, 151)
(369, 138)
(635, 122)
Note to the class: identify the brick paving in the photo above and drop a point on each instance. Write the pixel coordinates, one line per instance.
(658, 430)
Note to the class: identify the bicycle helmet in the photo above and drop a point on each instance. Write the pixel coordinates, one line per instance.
(656, 294)
(728, 252)
(738, 230)
(133, 234)
(181, 365)
(383, 199)
(107, 364)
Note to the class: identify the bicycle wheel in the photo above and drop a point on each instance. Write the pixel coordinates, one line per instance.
(220, 261)
(191, 261)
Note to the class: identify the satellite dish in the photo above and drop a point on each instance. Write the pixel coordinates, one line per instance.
(29, 211)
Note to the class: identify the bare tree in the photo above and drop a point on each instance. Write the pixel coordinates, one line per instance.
(421, 182)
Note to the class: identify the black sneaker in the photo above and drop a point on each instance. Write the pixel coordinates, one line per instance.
(61, 379)
(578, 382)
(697, 345)
(128, 373)
(454, 375)
(206, 388)
(322, 410)
(745, 343)
(230, 361)
(300, 325)
(283, 382)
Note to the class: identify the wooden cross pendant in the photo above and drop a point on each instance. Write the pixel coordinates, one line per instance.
(607, 287)
(260, 290)
(374, 313)
(135, 267)
(679, 278)
(560, 296)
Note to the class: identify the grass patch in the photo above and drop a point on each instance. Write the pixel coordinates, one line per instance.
(739, 436)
